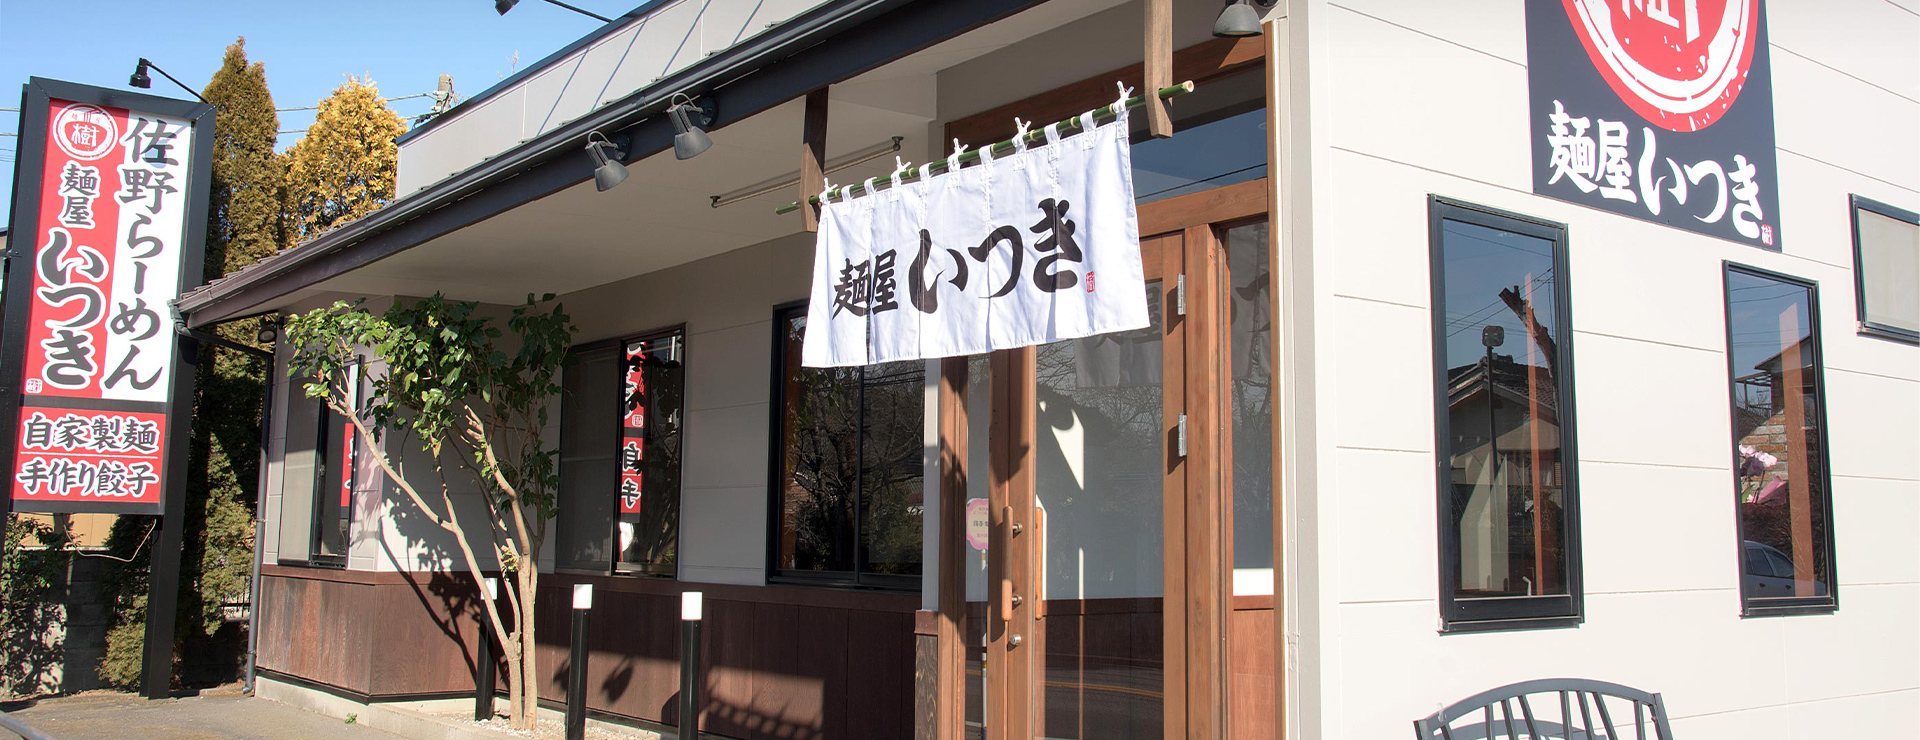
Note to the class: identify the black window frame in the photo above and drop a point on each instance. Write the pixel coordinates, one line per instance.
(616, 565)
(776, 464)
(1867, 326)
(323, 461)
(1520, 612)
(1767, 607)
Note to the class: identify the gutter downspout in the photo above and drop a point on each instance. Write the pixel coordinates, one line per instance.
(259, 525)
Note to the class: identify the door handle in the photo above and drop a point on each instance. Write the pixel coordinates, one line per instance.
(1006, 599)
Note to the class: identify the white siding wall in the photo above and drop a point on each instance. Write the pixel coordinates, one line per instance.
(1418, 98)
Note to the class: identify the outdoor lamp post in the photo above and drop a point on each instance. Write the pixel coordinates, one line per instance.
(1492, 336)
(483, 682)
(690, 608)
(577, 670)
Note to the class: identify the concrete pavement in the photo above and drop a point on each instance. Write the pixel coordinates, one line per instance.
(213, 716)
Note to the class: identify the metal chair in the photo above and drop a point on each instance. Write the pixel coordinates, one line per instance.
(1570, 717)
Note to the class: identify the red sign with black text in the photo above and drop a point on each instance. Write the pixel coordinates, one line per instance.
(98, 260)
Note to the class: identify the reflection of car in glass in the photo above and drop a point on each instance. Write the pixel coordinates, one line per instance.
(1770, 573)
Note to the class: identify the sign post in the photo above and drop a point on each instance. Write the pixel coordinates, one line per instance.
(96, 386)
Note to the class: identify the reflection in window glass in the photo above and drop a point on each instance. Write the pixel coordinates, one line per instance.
(1779, 452)
(334, 469)
(653, 378)
(1099, 468)
(1201, 156)
(1503, 397)
(1250, 306)
(850, 487)
(1886, 261)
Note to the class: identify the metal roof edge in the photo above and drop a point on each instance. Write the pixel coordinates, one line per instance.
(804, 30)
(605, 30)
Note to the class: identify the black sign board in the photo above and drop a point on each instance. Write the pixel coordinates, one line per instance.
(1660, 110)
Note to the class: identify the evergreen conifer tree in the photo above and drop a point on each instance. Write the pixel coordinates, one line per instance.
(344, 167)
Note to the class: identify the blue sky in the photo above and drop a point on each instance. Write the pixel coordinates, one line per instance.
(309, 46)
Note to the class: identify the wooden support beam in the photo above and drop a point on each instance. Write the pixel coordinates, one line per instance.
(813, 157)
(951, 669)
(1159, 65)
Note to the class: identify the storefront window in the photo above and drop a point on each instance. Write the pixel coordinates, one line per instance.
(334, 479)
(589, 461)
(1220, 139)
(1779, 455)
(652, 389)
(621, 422)
(1886, 257)
(847, 491)
(1250, 315)
(1504, 418)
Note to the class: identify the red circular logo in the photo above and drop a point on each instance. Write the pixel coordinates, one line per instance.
(1678, 63)
(84, 132)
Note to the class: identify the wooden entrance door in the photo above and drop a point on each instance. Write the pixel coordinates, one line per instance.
(1103, 612)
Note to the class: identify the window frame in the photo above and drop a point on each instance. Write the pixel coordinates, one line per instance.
(616, 566)
(1867, 326)
(776, 472)
(323, 455)
(1783, 606)
(1521, 612)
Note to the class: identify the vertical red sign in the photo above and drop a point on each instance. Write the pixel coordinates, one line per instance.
(98, 251)
(633, 427)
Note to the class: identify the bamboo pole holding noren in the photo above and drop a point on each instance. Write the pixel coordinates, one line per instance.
(1036, 135)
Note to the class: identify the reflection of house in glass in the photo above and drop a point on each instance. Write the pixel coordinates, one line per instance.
(1507, 486)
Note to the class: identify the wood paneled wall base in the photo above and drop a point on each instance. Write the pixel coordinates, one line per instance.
(384, 635)
(780, 662)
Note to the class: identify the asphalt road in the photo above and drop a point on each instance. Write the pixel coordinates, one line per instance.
(115, 716)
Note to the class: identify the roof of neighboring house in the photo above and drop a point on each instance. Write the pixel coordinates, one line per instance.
(1510, 380)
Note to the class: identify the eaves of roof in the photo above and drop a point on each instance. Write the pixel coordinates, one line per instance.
(749, 77)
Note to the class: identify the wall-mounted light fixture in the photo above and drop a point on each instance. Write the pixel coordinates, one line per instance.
(793, 179)
(608, 170)
(1238, 19)
(269, 332)
(142, 81)
(689, 122)
(502, 6)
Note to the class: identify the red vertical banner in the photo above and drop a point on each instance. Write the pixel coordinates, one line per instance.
(112, 210)
(633, 427)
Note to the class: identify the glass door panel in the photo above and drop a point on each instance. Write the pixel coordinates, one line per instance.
(973, 627)
(1100, 463)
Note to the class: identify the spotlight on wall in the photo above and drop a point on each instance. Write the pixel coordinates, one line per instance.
(269, 332)
(140, 78)
(608, 171)
(1238, 19)
(689, 136)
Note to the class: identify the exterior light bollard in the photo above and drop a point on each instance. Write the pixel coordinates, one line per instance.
(483, 681)
(577, 671)
(690, 665)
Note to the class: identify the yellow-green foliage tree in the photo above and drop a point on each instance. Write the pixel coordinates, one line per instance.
(344, 167)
